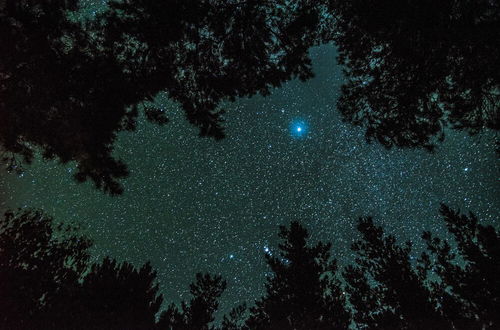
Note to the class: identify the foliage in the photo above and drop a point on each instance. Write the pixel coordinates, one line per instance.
(39, 263)
(453, 285)
(469, 286)
(67, 88)
(117, 296)
(384, 288)
(46, 282)
(236, 318)
(199, 312)
(415, 67)
(303, 292)
(59, 94)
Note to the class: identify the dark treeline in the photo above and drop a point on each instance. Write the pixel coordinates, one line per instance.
(68, 86)
(47, 282)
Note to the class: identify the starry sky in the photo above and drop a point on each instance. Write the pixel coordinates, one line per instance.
(194, 204)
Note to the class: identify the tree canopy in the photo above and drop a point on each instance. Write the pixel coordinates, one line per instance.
(416, 67)
(386, 291)
(116, 296)
(199, 312)
(469, 291)
(68, 87)
(40, 264)
(303, 291)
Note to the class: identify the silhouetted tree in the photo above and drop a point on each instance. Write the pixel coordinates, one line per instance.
(116, 296)
(40, 262)
(236, 318)
(68, 87)
(199, 312)
(384, 289)
(414, 67)
(46, 281)
(303, 291)
(206, 51)
(469, 287)
(59, 94)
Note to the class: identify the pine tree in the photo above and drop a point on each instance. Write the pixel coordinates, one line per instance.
(236, 318)
(46, 281)
(303, 291)
(469, 285)
(40, 262)
(116, 296)
(198, 313)
(385, 290)
(204, 52)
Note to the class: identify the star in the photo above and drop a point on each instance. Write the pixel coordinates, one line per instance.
(298, 128)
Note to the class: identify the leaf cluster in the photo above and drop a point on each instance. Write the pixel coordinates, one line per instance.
(414, 68)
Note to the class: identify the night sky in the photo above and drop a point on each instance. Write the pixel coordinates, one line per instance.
(193, 204)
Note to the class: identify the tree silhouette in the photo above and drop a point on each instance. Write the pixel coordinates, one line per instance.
(236, 318)
(384, 289)
(59, 93)
(199, 312)
(453, 285)
(414, 67)
(68, 87)
(40, 262)
(469, 286)
(116, 296)
(303, 292)
(202, 53)
(46, 282)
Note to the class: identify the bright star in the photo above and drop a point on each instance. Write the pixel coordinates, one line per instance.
(299, 128)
